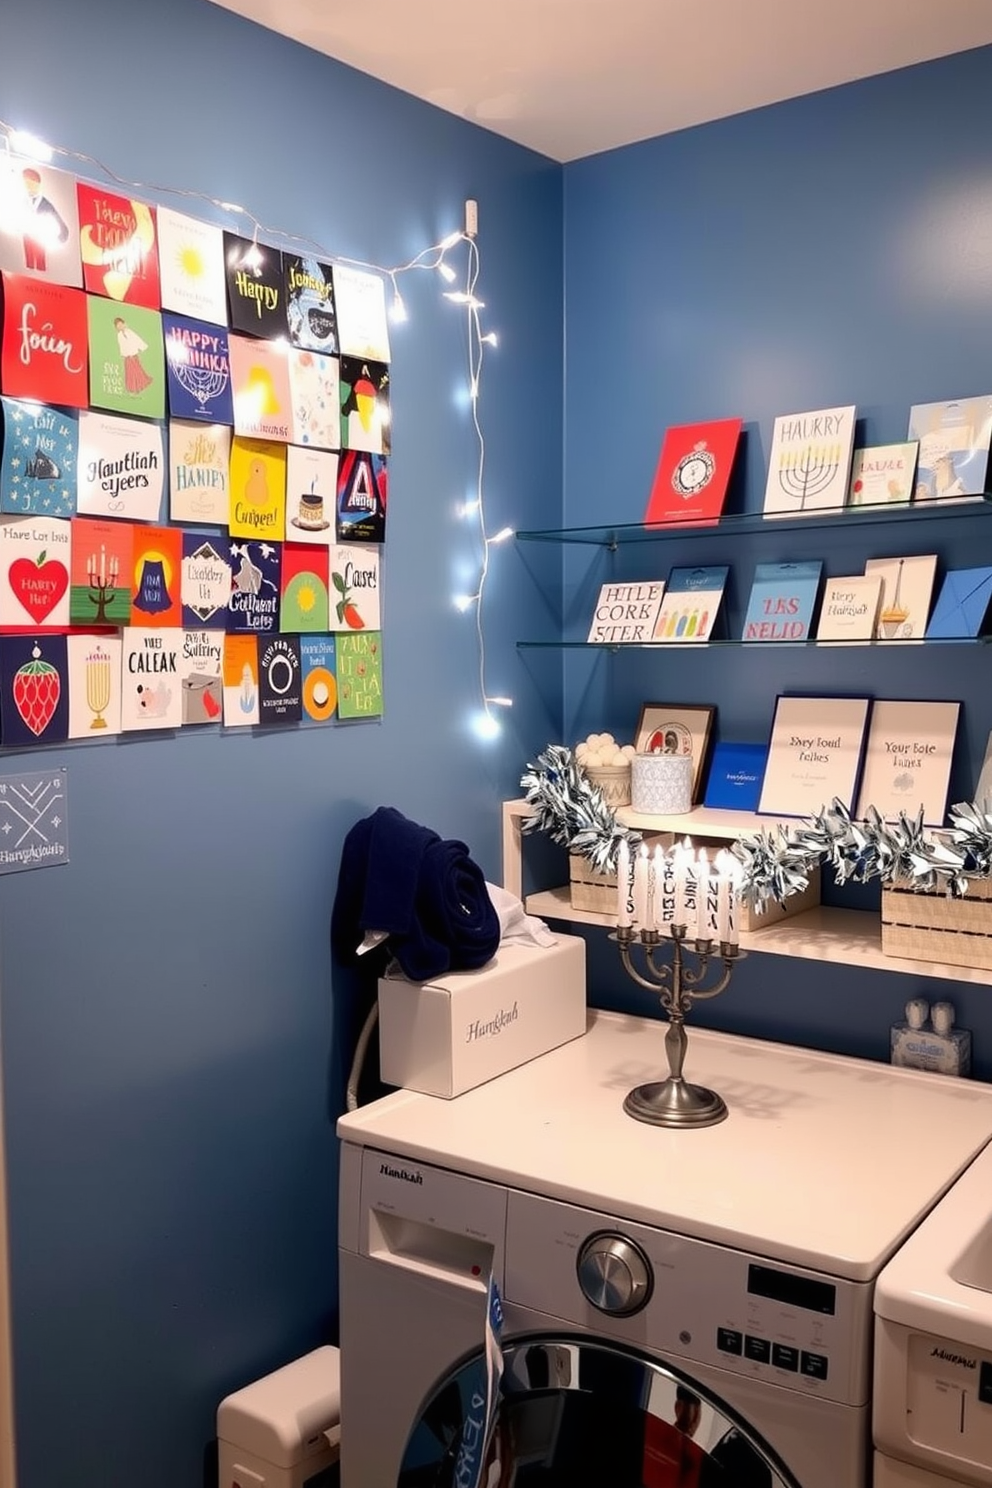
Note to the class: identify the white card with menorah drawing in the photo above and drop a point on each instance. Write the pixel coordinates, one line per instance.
(810, 462)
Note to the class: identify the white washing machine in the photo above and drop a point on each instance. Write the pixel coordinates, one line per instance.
(933, 1345)
(681, 1307)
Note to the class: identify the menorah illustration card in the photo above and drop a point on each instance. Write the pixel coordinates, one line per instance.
(39, 221)
(907, 588)
(364, 392)
(100, 578)
(691, 603)
(35, 560)
(354, 589)
(305, 578)
(191, 267)
(119, 246)
(908, 759)
(263, 407)
(240, 681)
(127, 361)
(44, 355)
(280, 698)
(255, 587)
(314, 385)
(363, 330)
(34, 690)
(258, 489)
(690, 483)
(198, 370)
(256, 287)
(205, 587)
(199, 473)
(954, 447)
(156, 582)
(810, 462)
(94, 686)
(359, 677)
(318, 663)
(883, 473)
(151, 678)
(202, 680)
(849, 610)
(121, 467)
(38, 463)
(363, 491)
(782, 601)
(311, 488)
(310, 308)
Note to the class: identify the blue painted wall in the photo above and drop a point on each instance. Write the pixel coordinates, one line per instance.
(831, 250)
(175, 1039)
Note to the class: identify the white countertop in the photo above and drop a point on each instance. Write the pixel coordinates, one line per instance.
(823, 1161)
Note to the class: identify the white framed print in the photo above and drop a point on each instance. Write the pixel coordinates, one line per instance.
(815, 754)
(908, 760)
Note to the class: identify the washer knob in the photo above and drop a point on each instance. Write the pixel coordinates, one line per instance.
(614, 1274)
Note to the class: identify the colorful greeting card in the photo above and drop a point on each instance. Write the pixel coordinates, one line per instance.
(314, 386)
(304, 605)
(364, 392)
(954, 447)
(205, 586)
(100, 584)
(202, 681)
(256, 287)
(240, 681)
(279, 680)
(626, 614)
(962, 604)
(44, 353)
(359, 674)
(127, 362)
(908, 759)
(690, 483)
(191, 267)
(198, 368)
(258, 489)
(39, 221)
(783, 597)
(318, 662)
(260, 383)
(38, 464)
(151, 675)
(883, 473)
(156, 568)
(363, 330)
(310, 309)
(121, 469)
(849, 611)
(907, 588)
(810, 462)
(117, 241)
(34, 690)
(311, 480)
(363, 489)
(35, 560)
(199, 473)
(255, 587)
(354, 587)
(94, 686)
(690, 604)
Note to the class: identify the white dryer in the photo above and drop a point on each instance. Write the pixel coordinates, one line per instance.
(685, 1308)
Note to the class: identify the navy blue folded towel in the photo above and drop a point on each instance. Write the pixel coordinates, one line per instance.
(426, 892)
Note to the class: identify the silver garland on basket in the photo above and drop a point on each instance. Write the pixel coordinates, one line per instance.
(572, 810)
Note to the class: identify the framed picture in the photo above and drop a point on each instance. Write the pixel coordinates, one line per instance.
(814, 755)
(908, 759)
(677, 728)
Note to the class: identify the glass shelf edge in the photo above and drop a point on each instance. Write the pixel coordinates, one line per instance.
(692, 646)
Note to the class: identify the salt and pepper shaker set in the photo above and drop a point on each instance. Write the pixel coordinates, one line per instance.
(927, 1039)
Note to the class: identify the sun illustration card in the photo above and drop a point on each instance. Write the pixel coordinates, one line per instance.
(127, 362)
(198, 370)
(202, 679)
(117, 242)
(39, 221)
(191, 267)
(34, 571)
(34, 690)
(256, 287)
(121, 468)
(314, 385)
(311, 482)
(360, 298)
(205, 587)
(363, 486)
(254, 602)
(364, 392)
(318, 660)
(310, 307)
(38, 464)
(304, 588)
(359, 662)
(156, 568)
(100, 577)
(151, 676)
(44, 355)
(279, 680)
(354, 587)
(199, 473)
(240, 681)
(258, 489)
(94, 686)
(260, 383)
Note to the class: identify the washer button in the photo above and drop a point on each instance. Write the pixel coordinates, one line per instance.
(814, 1366)
(784, 1357)
(758, 1349)
(729, 1341)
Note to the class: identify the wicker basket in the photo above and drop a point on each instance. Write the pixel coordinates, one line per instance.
(612, 780)
(925, 926)
(775, 910)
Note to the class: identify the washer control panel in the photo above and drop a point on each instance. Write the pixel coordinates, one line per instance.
(949, 1401)
(614, 1274)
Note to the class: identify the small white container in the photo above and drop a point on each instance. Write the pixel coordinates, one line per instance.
(283, 1430)
(661, 784)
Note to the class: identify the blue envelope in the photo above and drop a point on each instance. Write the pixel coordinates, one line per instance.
(961, 604)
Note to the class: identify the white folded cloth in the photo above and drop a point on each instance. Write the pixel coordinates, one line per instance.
(517, 927)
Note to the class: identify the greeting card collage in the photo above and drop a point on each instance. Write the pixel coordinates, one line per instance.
(193, 471)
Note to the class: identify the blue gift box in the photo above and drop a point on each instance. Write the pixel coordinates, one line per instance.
(735, 777)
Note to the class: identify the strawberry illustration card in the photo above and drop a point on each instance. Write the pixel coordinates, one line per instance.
(118, 245)
(198, 370)
(359, 659)
(94, 686)
(34, 571)
(191, 267)
(360, 300)
(255, 587)
(279, 680)
(202, 680)
(363, 485)
(34, 690)
(310, 310)
(354, 587)
(39, 223)
(240, 681)
(256, 287)
(304, 604)
(121, 468)
(127, 362)
(44, 354)
(314, 385)
(38, 463)
(260, 384)
(258, 489)
(206, 582)
(199, 473)
(364, 391)
(156, 568)
(100, 575)
(151, 676)
(318, 663)
(311, 482)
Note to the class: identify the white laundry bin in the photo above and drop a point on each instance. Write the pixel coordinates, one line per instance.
(283, 1431)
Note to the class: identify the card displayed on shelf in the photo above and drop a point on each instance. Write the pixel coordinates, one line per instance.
(202, 681)
(783, 597)
(94, 686)
(191, 267)
(100, 589)
(34, 690)
(625, 614)
(363, 490)
(360, 299)
(35, 562)
(198, 370)
(810, 462)
(690, 604)
(311, 491)
(954, 447)
(849, 611)
(736, 774)
(315, 391)
(354, 591)
(305, 577)
(962, 604)
(258, 489)
(205, 587)
(127, 360)
(39, 222)
(260, 385)
(318, 662)
(44, 356)
(255, 574)
(908, 760)
(118, 246)
(814, 754)
(157, 559)
(364, 395)
(690, 483)
(280, 698)
(256, 287)
(199, 473)
(907, 588)
(359, 663)
(151, 673)
(240, 681)
(38, 462)
(121, 467)
(310, 309)
(883, 473)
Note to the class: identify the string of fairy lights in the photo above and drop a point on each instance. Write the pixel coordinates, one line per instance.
(434, 259)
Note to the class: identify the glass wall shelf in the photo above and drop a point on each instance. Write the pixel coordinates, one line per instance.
(691, 646)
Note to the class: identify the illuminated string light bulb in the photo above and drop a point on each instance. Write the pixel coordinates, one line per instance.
(451, 240)
(397, 311)
(24, 143)
(500, 702)
(464, 297)
(490, 339)
(464, 602)
(502, 536)
(469, 508)
(447, 273)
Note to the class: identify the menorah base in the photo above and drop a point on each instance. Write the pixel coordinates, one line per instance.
(674, 1102)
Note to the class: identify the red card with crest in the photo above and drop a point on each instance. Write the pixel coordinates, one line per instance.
(44, 356)
(118, 243)
(690, 483)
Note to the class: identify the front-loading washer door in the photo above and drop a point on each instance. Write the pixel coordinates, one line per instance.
(581, 1413)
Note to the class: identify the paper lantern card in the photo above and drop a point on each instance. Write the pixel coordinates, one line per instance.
(121, 468)
(199, 473)
(117, 241)
(310, 309)
(314, 385)
(39, 222)
(44, 354)
(191, 267)
(35, 560)
(256, 287)
(38, 464)
(198, 370)
(127, 364)
(364, 405)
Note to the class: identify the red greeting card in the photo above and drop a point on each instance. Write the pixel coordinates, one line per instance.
(690, 483)
(118, 245)
(44, 356)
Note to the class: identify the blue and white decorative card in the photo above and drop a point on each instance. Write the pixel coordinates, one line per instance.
(735, 777)
(783, 597)
(38, 467)
(198, 370)
(689, 608)
(961, 605)
(34, 820)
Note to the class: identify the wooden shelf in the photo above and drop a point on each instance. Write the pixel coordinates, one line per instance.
(703, 821)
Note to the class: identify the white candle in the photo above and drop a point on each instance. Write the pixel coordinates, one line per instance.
(736, 875)
(641, 888)
(103, 566)
(702, 873)
(660, 866)
(723, 892)
(683, 857)
(623, 884)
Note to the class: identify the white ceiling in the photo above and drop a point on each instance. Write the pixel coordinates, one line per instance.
(574, 77)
